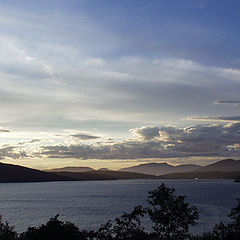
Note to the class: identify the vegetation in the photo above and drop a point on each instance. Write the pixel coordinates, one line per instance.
(170, 215)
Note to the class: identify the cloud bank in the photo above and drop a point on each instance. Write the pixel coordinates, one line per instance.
(208, 140)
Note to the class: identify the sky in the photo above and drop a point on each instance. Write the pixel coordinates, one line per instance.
(118, 83)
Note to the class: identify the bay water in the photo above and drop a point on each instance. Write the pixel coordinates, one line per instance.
(91, 203)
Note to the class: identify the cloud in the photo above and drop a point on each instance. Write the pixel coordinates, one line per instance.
(30, 141)
(208, 140)
(229, 102)
(83, 136)
(35, 140)
(64, 75)
(41, 95)
(11, 152)
(5, 130)
(146, 132)
(217, 119)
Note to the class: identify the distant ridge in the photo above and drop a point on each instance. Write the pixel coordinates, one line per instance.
(106, 175)
(71, 169)
(223, 169)
(104, 169)
(226, 165)
(160, 168)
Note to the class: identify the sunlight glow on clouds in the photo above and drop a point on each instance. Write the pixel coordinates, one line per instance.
(198, 140)
(194, 141)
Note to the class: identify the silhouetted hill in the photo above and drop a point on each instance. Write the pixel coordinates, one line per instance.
(105, 175)
(15, 173)
(128, 175)
(226, 165)
(201, 175)
(160, 168)
(71, 169)
(104, 169)
(223, 169)
(87, 176)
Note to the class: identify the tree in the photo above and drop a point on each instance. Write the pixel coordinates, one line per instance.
(128, 226)
(229, 231)
(170, 214)
(221, 232)
(53, 229)
(234, 226)
(7, 232)
(235, 217)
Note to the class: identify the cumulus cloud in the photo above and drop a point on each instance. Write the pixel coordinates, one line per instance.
(11, 152)
(146, 132)
(158, 142)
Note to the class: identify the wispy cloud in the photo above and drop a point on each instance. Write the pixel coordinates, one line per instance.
(4, 130)
(103, 76)
(217, 119)
(228, 102)
(84, 136)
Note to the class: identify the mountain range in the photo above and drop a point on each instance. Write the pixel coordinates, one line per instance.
(219, 168)
(160, 168)
(226, 165)
(72, 169)
(224, 169)
(148, 168)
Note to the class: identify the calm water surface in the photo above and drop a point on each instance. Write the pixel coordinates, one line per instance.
(90, 203)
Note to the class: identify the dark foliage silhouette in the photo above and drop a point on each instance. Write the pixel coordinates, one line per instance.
(7, 232)
(170, 214)
(53, 229)
(128, 226)
(231, 230)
